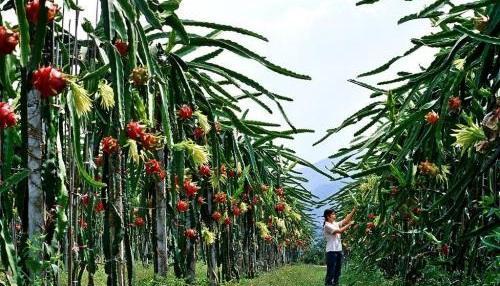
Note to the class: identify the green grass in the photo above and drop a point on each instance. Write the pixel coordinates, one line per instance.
(313, 275)
(290, 275)
(144, 276)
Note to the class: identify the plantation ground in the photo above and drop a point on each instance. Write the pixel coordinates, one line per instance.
(292, 275)
(313, 275)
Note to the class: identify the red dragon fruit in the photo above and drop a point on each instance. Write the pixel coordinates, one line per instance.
(99, 207)
(220, 198)
(7, 116)
(48, 81)
(33, 10)
(205, 171)
(109, 145)
(198, 133)
(153, 167)
(191, 188)
(8, 41)
(139, 221)
(182, 206)
(216, 216)
(432, 117)
(191, 233)
(134, 130)
(85, 200)
(185, 112)
(455, 103)
(122, 47)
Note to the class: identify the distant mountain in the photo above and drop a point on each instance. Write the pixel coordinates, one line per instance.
(320, 185)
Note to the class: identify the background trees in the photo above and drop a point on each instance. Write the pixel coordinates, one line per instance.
(129, 144)
(424, 162)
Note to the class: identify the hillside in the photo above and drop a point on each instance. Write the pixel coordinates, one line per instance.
(320, 185)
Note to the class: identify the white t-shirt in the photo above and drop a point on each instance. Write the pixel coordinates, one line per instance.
(332, 240)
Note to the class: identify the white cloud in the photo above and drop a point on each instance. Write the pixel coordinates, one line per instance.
(332, 41)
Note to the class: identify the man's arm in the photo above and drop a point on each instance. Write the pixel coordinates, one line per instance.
(348, 218)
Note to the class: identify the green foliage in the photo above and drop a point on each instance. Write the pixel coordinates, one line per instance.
(100, 184)
(433, 146)
(315, 254)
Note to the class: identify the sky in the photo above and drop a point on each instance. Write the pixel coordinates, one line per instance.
(330, 40)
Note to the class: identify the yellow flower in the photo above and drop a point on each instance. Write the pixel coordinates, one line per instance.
(263, 230)
(216, 181)
(132, 151)
(443, 174)
(243, 207)
(238, 168)
(280, 224)
(107, 95)
(208, 236)
(199, 154)
(203, 121)
(83, 103)
(428, 168)
(295, 216)
(468, 135)
(369, 184)
(297, 233)
(459, 64)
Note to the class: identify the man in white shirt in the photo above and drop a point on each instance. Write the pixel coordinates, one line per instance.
(331, 231)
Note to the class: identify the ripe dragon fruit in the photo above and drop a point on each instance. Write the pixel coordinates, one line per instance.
(99, 207)
(455, 103)
(182, 206)
(190, 187)
(205, 171)
(109, 145)
(432, 117)
(236, 210)
(139, 221)
(122, 47)
(150, 141)
(198, 133)
(8, 41)
(185, 112)
(134, 130)
(216, 216)
(7, 116)
(191, 233)
(33, 10)
(220, 198)
(48, 81)
(85, 200)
